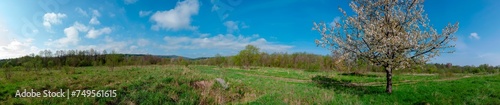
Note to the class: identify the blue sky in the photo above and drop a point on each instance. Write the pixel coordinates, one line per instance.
(201, 28)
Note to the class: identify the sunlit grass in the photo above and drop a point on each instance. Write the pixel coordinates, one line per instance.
(162, 84)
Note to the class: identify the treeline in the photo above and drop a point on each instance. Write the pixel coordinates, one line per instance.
(80, 58)
(248, 58)
(251, 56)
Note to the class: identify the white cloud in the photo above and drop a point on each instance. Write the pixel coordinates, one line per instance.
(224, 42)
(474, 36)
(52, 18)
(12, 46)
(17, 49)
(231, 26)
(94, 21)
(176, 40)
(81, 11)
(142, 42)
(133, 47)
(234, 26)
(96, 13)
(144, 13)
(95, 33)
(177, 18)
(80, 27)
(71, 36)
(111, 45)
(129, 1)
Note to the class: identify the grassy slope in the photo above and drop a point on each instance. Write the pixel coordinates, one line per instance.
(174, 84)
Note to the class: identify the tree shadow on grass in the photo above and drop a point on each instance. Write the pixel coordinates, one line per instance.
(359, 74)
(346, 86)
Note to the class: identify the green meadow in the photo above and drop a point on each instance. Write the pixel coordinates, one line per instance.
(196, 84)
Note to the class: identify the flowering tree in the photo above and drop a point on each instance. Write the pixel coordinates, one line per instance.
(393, 34)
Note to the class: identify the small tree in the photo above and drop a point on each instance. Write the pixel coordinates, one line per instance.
(7, 70)
(248, 56)
(219, 60)
(183, 61)
(394, 34)
(112, 60)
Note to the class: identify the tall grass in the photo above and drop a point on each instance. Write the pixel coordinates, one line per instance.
(170, 84)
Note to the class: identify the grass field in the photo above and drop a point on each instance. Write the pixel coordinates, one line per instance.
(164, 84)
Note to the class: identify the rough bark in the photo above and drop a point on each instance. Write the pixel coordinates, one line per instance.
(388, 88)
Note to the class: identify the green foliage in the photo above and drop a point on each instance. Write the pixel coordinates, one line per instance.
(7, 70)
(248, 56)
(219, 60)
(297, 60)
(68, 70)
(113, 60)
(432, 68)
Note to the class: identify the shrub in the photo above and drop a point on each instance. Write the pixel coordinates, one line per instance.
(68, 70)
(8, 73)
(432, 69)
(444, 73)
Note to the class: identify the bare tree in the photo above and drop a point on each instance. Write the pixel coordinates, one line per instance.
(394, 34)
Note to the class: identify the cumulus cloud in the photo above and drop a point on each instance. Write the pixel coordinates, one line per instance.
(110, 45)
(474, 36)
(94, 21)
(144, 13)
(93, 33)
(71, 35)
(17, 48)
(224, 42)
(52, 18)
(177, 18)
(13, 47)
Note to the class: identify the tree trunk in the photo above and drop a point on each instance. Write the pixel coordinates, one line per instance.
(388, 88)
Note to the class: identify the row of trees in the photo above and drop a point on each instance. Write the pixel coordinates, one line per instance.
(251, 56)
(247, 58)
(80, 58)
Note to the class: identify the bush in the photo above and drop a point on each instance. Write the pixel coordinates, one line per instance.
(476, 70)
(492, 71)
(313, 68)
(8, 73)
(68, 70)
(432, 69)
(444, 73)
